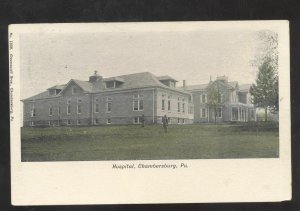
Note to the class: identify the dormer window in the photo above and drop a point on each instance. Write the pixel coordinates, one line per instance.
(114, 82)
(167, 80)
(55, 90)
(111, 84)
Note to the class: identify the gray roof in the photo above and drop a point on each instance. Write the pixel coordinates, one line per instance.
(130, 81)
(85, 85)
(114, 79)
(165, 78)
(245, 87)
(230, 85)
(43, 95)
(195, 87)
(58, 86)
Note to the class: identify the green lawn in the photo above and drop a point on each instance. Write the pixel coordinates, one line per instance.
(133, 142)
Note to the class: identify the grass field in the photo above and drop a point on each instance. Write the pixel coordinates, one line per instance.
(133, 142)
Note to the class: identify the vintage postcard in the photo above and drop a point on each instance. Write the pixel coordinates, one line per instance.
(165, 112)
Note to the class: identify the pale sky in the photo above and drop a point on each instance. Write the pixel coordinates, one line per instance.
(192, 56)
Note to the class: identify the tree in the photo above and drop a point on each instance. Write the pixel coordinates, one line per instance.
(265, 91)
(214, 98)
(268, 49)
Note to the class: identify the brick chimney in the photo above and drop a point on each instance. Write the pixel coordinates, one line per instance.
(184, 84)
(95, 78)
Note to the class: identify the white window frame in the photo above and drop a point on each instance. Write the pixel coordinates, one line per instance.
(169, 105)
(96, 121)
(50, 110)
(108, 122)
(78, 122)
(79, 106)
(69, 110)
(221, 116)
(163, 104)
(68, 122)
(178, 107)
(96, 105)
(138, 120)
(32, 111)
(49, 122)
(201, 98)
(107, 103)
(201, 113)
(138, 98)
(32, 123)
(183, 107)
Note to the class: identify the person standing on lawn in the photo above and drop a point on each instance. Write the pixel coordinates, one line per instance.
(143, 120)
(165, 123)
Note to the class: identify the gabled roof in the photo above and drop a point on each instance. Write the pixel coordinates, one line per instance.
(229, 85)
(85, 85)
(244, 87)
(165, 78)
(42, 95)
(130, 81)
(195, 87)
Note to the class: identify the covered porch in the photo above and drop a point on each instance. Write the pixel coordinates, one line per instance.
(242, 113)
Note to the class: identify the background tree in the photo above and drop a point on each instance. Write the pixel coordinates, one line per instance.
(265, 91)
(214, 98)
(267, 50)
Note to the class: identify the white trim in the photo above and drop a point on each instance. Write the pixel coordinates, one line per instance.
(32, 110)
(139, 98)
(78, 109)
(201, 98)
(178, 107)
(50, 109)
(201, 113)
(163, 108)
(218, 112)
(108, 123)
(78, 122)
(138, 120)
(107, 111)
(95, 107)
(68, 110)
